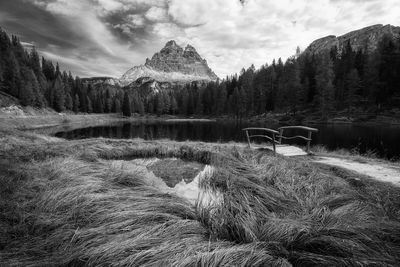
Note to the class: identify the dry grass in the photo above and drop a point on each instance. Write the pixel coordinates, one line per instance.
(61, 205)
(314, 217)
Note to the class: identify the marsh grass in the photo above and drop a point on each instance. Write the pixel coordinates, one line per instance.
(64, 203)
(310, 216)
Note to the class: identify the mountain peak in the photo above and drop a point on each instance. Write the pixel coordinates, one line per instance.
(190, 48)
(172, 64)
(171, 43)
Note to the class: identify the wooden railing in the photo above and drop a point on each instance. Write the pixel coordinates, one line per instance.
(309, 131)
(276, 137)
(270, 138)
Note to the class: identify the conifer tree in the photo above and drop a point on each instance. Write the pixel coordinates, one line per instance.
(199, 105)
(59, 94)
(174, 105)
(293, 85)
(167, 103)
(353, 85)
(140, 107)
(12, 78)
(26, 92)
(48, 70)
(324, 84)
(150, 107)
(76, 103)
(222, 99)
(89, 105)
(159, 103)
(235, 102)
(68, 102)
(184, 103)
(117, 106)
(126, 105)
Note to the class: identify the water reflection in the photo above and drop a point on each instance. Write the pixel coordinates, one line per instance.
(384, 140)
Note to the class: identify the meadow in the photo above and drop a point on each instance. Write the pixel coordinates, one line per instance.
(64, 203)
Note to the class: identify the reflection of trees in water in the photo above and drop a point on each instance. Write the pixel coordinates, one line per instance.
(384, 140)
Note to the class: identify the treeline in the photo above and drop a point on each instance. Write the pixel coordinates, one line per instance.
(37, 82)
(321, 83)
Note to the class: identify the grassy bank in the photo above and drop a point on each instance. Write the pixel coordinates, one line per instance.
(41, 119)
(37, 121)
(64, 203)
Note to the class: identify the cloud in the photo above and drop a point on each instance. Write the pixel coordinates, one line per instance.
(156, 14)
(111, 5)
(258, 31)
(107, 37)
(136, 20)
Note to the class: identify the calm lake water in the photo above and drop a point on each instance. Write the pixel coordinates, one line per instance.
(384, 140)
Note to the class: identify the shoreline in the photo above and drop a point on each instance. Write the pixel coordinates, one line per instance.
(39, 121)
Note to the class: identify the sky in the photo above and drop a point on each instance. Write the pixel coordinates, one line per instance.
(107, 37)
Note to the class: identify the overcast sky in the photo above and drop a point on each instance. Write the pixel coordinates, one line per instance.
(107, 37)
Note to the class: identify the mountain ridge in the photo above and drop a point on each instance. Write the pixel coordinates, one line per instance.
(366, 39)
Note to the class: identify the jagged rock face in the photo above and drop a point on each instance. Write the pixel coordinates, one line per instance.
(366, 39)
(172, 64)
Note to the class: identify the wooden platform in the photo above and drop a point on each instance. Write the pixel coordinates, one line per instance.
(284, 150)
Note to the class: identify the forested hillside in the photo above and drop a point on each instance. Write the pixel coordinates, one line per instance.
(321, 83)
(37, 82)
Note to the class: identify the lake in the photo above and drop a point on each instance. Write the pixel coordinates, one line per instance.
(384, 140)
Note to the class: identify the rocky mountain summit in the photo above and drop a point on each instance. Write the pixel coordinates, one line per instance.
(366, 39)
(172, 64)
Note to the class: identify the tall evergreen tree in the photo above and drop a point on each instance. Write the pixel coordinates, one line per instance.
(199, 105)
(89, 105)
(59, 94)
(353, 85)
(126, 105)
(12, 77)
(140, 107)
(324, 84)
(117, 106)
(26, 92)
(174, 105)
(76, 104)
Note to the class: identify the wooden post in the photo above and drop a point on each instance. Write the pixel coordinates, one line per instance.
(308, 142)
(273, 143)
(280, 136)
(248, 139)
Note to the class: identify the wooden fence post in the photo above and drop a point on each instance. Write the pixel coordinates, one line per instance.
(308, 142)
(273, 143)
(248, 139)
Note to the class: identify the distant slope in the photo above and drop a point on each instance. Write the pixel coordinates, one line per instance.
(366, 39)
